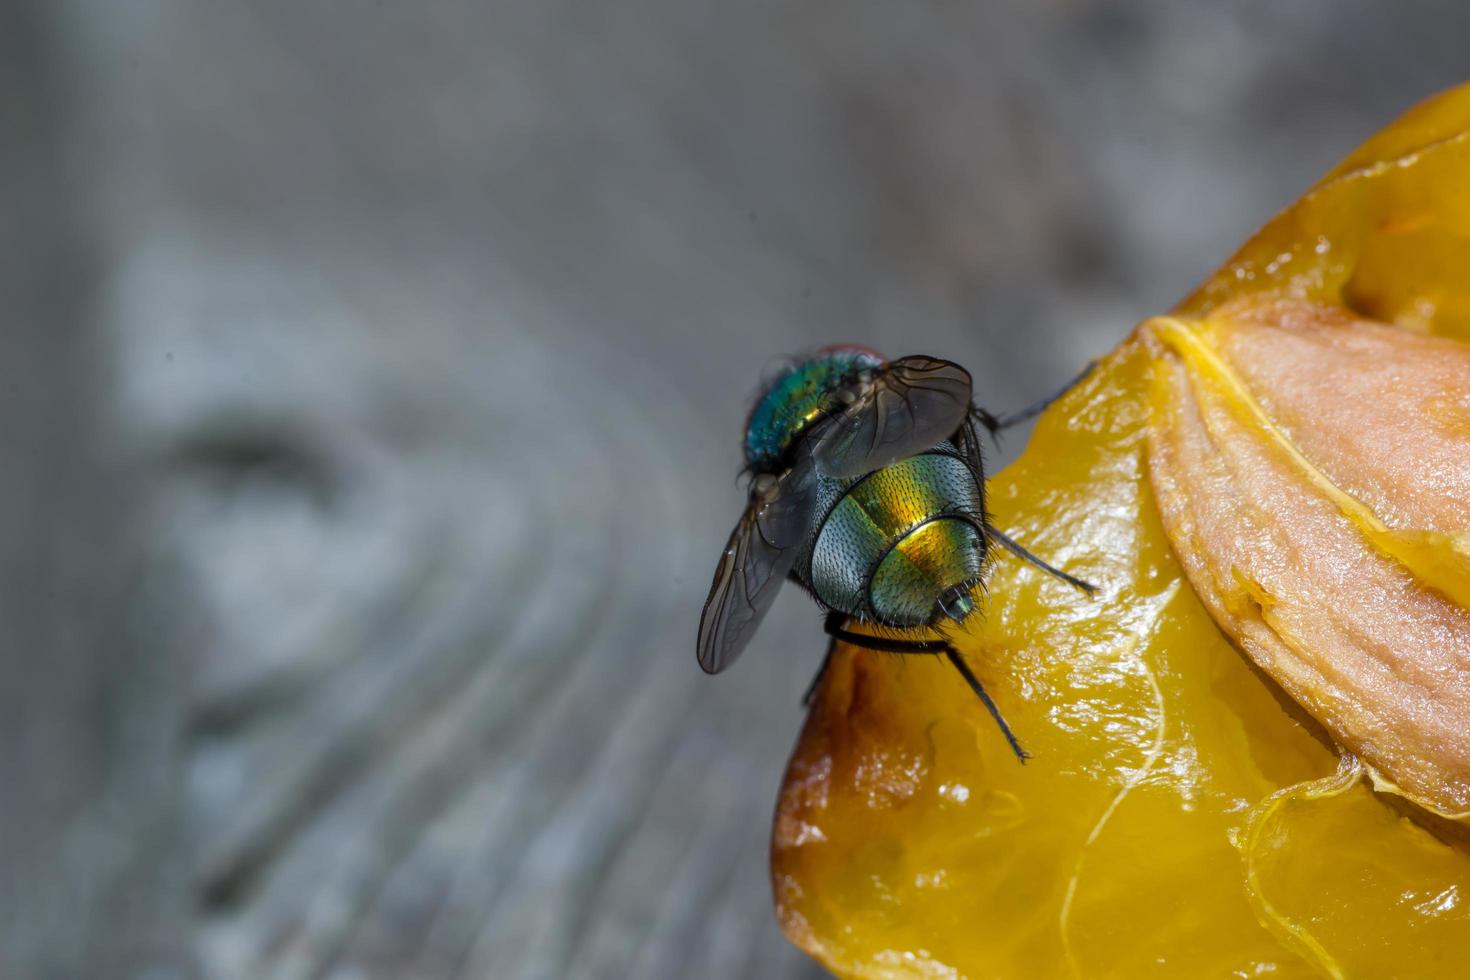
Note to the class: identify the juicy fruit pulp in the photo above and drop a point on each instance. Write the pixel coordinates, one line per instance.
(1182, 815)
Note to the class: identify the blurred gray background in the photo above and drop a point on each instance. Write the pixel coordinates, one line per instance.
(372, 381)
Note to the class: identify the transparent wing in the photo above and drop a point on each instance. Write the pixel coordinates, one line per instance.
(759, 555)
(912, 404)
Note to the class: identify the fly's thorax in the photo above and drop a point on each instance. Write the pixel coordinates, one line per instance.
(889, 546)
(799, 397)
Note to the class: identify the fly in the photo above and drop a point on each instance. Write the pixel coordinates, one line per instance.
(867, 490)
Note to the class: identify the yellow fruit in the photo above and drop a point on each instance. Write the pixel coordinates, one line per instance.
(1182, 815)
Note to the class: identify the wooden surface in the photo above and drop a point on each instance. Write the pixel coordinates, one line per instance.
(414, 346)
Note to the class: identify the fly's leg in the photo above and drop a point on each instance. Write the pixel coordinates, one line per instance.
(1027, 556)
(959, 664)
(970, 445)
(932, 648)
(811, 689)
(996, 423)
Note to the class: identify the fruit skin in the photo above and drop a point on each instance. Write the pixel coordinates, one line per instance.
(1385, 234)
(1182, 816)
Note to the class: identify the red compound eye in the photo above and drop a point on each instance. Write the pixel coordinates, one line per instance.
(848, 349)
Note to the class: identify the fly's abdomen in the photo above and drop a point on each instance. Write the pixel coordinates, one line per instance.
(923, 566)
(899, 539)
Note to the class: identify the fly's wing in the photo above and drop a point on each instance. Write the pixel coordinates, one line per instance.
(971, 451)
(760, 554)
(970, 448)
(912, 404)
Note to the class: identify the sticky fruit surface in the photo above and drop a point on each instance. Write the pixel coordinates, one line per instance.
(1182, 814)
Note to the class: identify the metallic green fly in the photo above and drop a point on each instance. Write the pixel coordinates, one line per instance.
(868, 490)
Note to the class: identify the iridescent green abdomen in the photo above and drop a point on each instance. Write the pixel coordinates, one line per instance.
(798, 398)
(897, 542)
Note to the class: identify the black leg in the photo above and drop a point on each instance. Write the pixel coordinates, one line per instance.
(811, 689)
(885, 645)
(974, 682)
(996, 423)
(931, 647)
(1025, 555)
